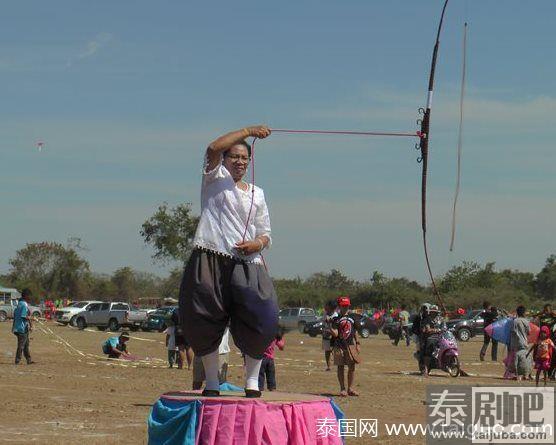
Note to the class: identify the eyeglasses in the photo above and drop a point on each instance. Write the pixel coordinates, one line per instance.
(239, 157)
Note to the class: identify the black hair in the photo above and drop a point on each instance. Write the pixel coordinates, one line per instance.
(26, 292)
(486, 305)
(547, 306)
(331, 304)
(520, 311)
(244, 143)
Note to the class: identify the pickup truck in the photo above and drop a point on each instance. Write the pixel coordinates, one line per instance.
(68, 315)
(7, 310)
(296, 318)
(111, 316)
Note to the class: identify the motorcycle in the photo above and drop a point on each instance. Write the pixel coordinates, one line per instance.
(445, 356)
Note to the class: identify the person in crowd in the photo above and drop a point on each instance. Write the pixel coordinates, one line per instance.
(346, 347)
(225, 280)
(268, 369)
(489, 315)
(184, 351)
(328, 320)
(115, 347)
(547, 317)
(403, 331)
(22, 325)
(542, 350)
(519, 332)
(431, 329)
(173, 354)
(199, 375)
(416, 331)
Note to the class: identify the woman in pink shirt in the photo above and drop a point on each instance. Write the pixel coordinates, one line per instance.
(268, 369)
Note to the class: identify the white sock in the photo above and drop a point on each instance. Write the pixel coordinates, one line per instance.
(252, 368)
(210, 363)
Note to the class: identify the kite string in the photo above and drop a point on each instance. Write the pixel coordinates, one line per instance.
(252, 199)
(252, 190)
(460, 138)
(416, 134)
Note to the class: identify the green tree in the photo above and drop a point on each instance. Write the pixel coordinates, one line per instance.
(170, 287)
(50, 267)
(170, 231)
(124, 282)
(546, 279)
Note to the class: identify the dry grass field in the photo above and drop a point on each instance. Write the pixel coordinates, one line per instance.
(73, 395)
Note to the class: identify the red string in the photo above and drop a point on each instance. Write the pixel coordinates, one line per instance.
(252, 198)
(252, 188)
(416, 134)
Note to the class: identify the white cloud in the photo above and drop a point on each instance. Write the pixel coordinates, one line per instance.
(93, 46)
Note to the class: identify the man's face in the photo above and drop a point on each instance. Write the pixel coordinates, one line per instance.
(236, 161)
(344, 309)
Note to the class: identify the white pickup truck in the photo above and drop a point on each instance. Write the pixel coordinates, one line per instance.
(111, 316)
(68, 315)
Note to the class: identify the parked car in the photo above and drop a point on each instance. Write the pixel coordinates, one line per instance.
(158, 320)
(136, 318)
(468, 326)
(68, 315)
(111, 316)
(7, 310)
(296, 318)
(364, 325)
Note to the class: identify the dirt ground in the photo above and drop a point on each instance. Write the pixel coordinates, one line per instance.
(73, 395)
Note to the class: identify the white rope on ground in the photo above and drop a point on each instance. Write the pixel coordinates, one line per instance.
(69, 348)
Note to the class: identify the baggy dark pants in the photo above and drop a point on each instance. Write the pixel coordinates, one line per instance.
(217, 290)
(22, 347)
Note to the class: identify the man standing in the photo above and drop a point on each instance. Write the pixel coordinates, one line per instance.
(489, 315)
(518, 343)
(22, 326)
(328, 321)
(403, 317)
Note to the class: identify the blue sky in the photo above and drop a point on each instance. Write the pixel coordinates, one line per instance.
(126, 95)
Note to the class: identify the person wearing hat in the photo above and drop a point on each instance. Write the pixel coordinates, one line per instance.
(225, 280)
(346, 347)
(431, 329)
(115, 347)
(542, 351)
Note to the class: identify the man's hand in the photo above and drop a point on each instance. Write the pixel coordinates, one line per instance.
(249, 247)
(259, 131)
